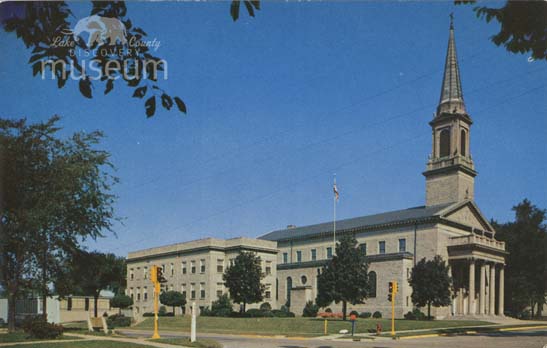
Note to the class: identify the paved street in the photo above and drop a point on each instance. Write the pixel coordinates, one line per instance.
(507, 339)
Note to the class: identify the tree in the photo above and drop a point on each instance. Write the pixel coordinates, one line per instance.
(526, 270)
(243, 279)
(173, 299)
(55, 194)
(523, 26)
(345, 277)
(95, 271)
(222, 307)
(121, 301)
(38, 24)
(431, 283)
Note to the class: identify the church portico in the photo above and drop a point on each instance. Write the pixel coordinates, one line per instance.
(477, 264)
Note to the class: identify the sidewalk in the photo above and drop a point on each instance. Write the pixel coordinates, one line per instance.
(82, 338)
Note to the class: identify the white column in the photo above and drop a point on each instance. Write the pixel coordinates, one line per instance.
(501, 291)
(471, 302)
(482, 289)
(492, 302)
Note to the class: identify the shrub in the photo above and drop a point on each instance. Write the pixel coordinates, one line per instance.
(354, 313)
(328, 310)
(148, 314)
(310, 310)
(416, 314)
(377, 315)
(221, 307)
(162, 311)
(257, 313)
(118, 320)
(365, 315)
(37, 327)
(265, 307)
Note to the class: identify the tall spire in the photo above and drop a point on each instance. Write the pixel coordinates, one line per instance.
(451, 100)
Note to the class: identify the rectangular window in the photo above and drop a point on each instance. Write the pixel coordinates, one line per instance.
(382, 247)
(408, 273)
(299, 256)
(69, 303)
(145, 272)
(313, 255)
(220, 265)
(131, 294)
(172, 270)
(268, 270)
(202, 290)
(138, 294)
(131, 274)
(363, 248)
(402, 245)
(219, 293)
(285, 258)
(193, 267)
(192, 291)
(202, 266)
(184, 267)
(163, 269)
(86, 304)
(329, 253)
(268, 294)
(145, 294)
(138, 270)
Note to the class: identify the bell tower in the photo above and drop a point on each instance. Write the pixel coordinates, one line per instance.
(450, 173)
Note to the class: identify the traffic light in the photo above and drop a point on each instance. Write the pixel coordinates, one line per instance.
(153, 274)
(390, 292)
(160, 277)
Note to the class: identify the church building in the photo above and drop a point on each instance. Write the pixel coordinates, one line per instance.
(450, 224)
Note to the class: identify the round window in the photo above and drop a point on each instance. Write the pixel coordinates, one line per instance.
(304, 280)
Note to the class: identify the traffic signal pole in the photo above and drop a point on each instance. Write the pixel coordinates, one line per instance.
(393, 289)
(156, 305)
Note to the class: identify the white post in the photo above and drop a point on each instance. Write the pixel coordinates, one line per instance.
(193, 325)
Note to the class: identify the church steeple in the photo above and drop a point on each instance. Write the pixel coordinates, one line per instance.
(450, 170)
(451, 92)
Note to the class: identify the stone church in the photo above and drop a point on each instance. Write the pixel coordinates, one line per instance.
(450, 224)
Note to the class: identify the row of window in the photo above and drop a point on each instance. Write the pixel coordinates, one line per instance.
(362, 248)
(136, 295)
(184, 268)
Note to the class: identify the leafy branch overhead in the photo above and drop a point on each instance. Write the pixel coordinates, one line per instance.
(523, 26)
(44, 27)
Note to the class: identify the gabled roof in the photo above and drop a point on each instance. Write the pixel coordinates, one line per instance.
(391, 217)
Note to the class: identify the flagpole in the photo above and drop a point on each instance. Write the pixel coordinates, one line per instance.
(334, 220)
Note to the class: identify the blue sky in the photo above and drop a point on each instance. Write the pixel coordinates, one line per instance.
(279, 103)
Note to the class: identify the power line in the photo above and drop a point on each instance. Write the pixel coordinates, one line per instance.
(321, 172)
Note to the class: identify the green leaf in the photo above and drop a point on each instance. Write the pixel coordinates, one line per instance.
(234, 10)
(85, 88)
(180, 104)
(139, 92)
(109, 86)
(36, 68)
(249, 8)
(166, 101)
(150, 106)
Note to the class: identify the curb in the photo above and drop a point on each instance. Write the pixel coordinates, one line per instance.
(473, 332)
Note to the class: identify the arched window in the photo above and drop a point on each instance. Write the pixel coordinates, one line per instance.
(372, 282)
(289, 287)
(304, 279)
(463, 142)
(444, 143)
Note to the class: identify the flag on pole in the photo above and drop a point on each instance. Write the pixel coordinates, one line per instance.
(336, 194)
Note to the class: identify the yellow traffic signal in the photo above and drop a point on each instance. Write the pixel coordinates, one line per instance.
(395, 288)
(159, 275)
(154, 274)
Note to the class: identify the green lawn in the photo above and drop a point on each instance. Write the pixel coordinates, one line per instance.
(293, 326)
(20, 336)
(83, 344)
(202, 343)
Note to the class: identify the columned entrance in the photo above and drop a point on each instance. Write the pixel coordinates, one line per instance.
(477, 265)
